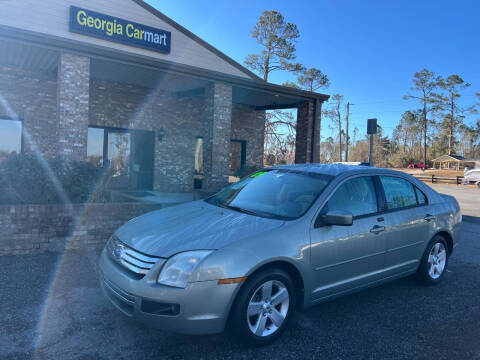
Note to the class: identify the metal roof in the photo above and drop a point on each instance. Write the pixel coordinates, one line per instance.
(451, 157)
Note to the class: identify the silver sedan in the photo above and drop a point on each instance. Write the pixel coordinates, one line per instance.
(281, 239)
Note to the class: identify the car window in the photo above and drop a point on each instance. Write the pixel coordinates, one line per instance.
(399, 192)
(422, 199)
(276, 193)
(356, 196)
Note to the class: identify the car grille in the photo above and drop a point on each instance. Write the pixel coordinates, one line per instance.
(129, 258)
(124, 300)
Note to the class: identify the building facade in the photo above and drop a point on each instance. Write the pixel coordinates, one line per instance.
(118, 83)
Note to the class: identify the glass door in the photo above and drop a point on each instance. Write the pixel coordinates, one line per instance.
(142, 160)
(118, 156)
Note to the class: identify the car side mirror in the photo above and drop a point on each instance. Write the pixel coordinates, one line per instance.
(335, 217)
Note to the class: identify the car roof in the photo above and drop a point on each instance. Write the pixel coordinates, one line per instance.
(335, 169)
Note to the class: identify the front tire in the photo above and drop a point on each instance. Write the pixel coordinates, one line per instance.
(264, 307)
(434, 262)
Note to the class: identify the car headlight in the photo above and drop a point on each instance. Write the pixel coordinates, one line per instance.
(180, 267)
(114, 248)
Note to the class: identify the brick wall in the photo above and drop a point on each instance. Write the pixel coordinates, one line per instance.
(32, 97)
(118, 105)
(30, 229)
(249, 124)
(73, 82)
(303, 143)
(218, 122)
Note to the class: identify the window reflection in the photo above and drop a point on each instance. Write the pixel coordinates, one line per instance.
(95, 146)
(10, 137)
(199, 156)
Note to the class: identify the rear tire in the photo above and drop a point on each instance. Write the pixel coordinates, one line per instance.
(434, 261)
(263, 308)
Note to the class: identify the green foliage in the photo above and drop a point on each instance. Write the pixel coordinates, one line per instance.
(426, 83)
(291, 84)
(313, 79)
(26, 179)
(452, 113)
(278, 39)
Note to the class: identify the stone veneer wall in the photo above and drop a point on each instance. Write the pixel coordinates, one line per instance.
(249, 124)
(73, 82)
(182, 119)
(30, 229)
(218, 122)
(119, 105)
(303, 143)
(32, 97)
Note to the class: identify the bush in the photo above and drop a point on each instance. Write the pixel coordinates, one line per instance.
(27, 179)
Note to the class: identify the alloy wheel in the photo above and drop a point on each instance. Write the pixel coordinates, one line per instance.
(268, 308)
(437, 260)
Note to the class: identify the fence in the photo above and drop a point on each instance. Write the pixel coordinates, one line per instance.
(440, 179)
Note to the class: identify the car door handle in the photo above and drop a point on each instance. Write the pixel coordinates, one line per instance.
(376, 229)
(428, 217)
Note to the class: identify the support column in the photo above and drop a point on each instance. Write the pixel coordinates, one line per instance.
(317, 126)
(72, 105)
(303, 142)
(218, 121)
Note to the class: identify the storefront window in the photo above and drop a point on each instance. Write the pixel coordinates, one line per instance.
(199, 156)
(95, 146)
(10, 137)
(128, 154)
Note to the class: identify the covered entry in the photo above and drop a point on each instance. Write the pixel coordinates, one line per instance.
(171, 122)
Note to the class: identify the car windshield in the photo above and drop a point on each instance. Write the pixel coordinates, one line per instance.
(277, 193)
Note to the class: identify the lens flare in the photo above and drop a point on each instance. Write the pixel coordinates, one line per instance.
(41, 339)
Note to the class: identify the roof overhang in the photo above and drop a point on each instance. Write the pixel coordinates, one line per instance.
(279, 97)
(448, 158)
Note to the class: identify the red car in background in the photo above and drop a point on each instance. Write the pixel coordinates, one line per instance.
(418, 166)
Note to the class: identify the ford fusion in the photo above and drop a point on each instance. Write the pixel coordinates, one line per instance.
(281, 239)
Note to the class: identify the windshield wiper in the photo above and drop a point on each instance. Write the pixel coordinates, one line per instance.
(255, 213)
(239, 209)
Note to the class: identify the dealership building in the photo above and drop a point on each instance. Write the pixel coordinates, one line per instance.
(118, 82)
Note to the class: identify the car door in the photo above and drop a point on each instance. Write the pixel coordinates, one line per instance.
(408, 218)
(345, 257)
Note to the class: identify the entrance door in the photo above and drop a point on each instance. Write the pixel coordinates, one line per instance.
(129, 153)
(118, 156)
(237, 156)
(142, 160)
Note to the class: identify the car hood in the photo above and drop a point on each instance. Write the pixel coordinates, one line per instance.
(192, 226)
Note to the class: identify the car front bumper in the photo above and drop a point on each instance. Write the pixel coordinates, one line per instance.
(201, 308)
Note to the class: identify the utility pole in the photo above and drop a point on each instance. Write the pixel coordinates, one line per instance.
(347, 138)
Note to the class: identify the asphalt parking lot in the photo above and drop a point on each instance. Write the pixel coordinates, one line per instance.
(52, 308)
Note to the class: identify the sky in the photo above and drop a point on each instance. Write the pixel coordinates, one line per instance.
(369, 49)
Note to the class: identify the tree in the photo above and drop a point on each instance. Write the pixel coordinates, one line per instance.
(327, 153)
(425, 84)
(334, 113)
(280, 128)
(470, 135)
(406, 137)
(291, 84)
(312, 79)
(278, 39)
(454, 114)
